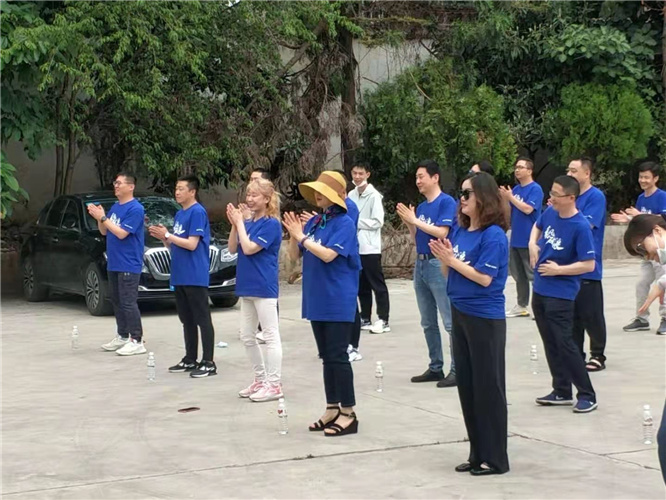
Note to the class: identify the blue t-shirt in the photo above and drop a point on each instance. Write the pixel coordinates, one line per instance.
(191, 267)
(257, 274)
(592, 204)
(330, 289)
(564, 241)
(653, 204)
(521, 223)
(439, 212)
(487, 251)
(352, 210)
(126, 255)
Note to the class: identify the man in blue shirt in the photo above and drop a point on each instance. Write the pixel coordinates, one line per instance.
(651, 201)
(123, 228)
(589, 307)
(190, 264)
(561, 250)
(433, 219)
(525, 201)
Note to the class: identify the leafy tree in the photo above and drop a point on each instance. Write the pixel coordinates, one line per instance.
(10, 192)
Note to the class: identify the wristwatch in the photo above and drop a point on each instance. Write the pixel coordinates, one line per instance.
(104, 219)
(166, 235)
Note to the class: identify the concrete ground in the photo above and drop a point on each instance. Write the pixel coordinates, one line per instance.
(88, 425)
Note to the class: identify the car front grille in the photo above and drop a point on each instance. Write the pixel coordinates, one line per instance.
(159, 260)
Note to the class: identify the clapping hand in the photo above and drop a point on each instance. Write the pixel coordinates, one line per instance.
(234, 215)
(623, 217)
(247, 213)
(406, 213)
(96, 211)
(443, 250)
(505, 193)
(158, 231)
(306, 216)
(292, 224)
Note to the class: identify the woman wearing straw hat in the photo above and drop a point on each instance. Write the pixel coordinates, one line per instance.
(330, 286)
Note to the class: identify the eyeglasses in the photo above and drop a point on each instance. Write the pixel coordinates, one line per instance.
(519, 167)
(464, 194)
(119, 183)
(553, 194)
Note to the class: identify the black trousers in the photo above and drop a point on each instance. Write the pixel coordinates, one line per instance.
(332, 339)
(194, 313)
(356, 331)
(478, 348)
(554, 318)
(372, 280)
(124, 294)
(589, 315)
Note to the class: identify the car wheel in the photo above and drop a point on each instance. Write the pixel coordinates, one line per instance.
(33, 291)
(96, 288)
(224, 301)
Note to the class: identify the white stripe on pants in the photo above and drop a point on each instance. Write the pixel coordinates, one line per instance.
(267, 365)
(649, 272)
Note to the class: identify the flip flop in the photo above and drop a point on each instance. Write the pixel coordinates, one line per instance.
(595, 365)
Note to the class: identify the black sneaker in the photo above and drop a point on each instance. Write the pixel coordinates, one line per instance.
(662, 327)
(205, 369)
(448, 381)
(428, 376)
(185, 365)
(637, 325)
(366, 324)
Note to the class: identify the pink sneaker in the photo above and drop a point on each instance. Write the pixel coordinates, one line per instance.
(248, 391)
(268, 392)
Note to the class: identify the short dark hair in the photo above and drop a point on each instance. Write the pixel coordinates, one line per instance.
(129, 178)
(192, 182)
(489, 202)
(585, 161)
(650, 166)
(264, 173)
(361, 164)
(431, 167)
(486, 166)
(569, 184)
(526, 159)
(640, 227)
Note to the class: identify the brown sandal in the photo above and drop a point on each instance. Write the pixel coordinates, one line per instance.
(320, 425)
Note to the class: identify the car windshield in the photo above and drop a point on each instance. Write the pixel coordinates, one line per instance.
(159, 210)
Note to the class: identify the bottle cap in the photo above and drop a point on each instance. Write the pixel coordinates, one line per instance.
(646, 407)
(281, 400)
(151, 354)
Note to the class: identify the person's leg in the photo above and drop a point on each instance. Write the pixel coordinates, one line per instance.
(580, 308)
(356, 331)
(658, 273)
(114, 286)
(375, 276)
(128, 297)
(248, 328)
(465, 381)
(198, 297)
(338, 337)
(548, 330)
(527, 267)
(428, 310)
(594, 318)
(365, 290)
(646, 277)
(321, 330)
(517, 270)
(487, 342)
(268, 317)
(186, 317)
(438, 283)
(572, 367)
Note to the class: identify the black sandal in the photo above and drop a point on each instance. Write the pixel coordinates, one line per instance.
(595, 365)
(352, 428)
(319, 425)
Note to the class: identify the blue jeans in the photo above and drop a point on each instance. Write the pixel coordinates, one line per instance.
(430, 288)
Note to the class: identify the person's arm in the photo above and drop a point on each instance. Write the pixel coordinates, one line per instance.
(440, 232)
(232, 245)
(533, 245)
(376, 219)
(550, 268)
(249, 247)
(523, 206)
(293, 250)
(320, 251)
(190, 243)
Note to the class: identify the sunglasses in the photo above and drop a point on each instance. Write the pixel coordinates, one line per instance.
(464, 194)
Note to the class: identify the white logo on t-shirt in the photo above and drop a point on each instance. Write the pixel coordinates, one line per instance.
(645, 210)
(115, 219)
(518, 197)
(552, 239)
(459, 255)
(178, 228)
(427, 221)
(312, 238)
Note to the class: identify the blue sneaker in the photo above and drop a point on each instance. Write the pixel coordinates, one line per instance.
(554, 400)
(585, 406)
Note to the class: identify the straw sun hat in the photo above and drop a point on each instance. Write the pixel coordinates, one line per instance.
(330, 184)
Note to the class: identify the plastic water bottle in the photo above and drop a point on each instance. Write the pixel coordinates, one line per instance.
(75, 338)
(282, 415)
(151, 366)
(534, 360)
(648, 425)
(379, 377)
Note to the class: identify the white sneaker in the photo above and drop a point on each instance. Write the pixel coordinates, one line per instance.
(222, 344)
(131, 348)
(268, 392)
(366, 325)
(518, 312)
(380, 326)
(116, 343)
(350, 348)
(354, 355)
(251, 389)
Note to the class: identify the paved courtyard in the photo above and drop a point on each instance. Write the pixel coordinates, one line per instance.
(88, 425)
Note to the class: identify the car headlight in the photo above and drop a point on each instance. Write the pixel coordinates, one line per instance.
(227, 256)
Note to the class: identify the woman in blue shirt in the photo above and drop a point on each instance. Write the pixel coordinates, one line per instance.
(475, 260)
(257, 241)
(331, 266)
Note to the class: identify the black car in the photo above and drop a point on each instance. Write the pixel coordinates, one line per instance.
(65, 252)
